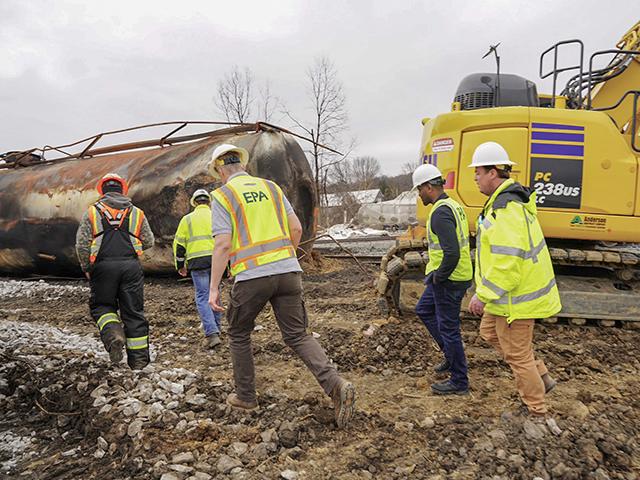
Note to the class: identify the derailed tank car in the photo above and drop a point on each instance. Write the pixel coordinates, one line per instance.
(42, 201)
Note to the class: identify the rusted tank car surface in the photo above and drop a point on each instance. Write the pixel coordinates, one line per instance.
(42, 204)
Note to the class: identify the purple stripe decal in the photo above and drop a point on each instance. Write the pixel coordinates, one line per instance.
(435, 159)
(557, 127)
(552, 149)
(560, 137)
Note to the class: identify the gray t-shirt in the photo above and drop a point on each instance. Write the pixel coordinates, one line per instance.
(221, 223)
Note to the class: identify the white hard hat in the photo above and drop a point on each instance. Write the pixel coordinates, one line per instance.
(488, 154)
(425, 173)
(201, 192)
(221, 150)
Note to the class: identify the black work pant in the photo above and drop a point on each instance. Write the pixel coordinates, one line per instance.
(118, 285)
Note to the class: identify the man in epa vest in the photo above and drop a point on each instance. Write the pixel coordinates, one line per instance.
(192, 249)
(515, 282)
(257, 232)
(111, 236)
(448, 276)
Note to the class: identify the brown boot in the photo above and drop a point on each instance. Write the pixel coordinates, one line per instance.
(114, 343)
(344, 399)
(235, 402)
(549, 383)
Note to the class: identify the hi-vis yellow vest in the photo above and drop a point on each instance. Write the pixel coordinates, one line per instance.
(259, 221)
(514, 276)
(115, 218)
(194, 234)
(464, 270)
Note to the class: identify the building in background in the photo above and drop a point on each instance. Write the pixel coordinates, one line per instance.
(342, 207)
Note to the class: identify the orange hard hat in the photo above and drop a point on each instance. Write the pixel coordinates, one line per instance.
(112, 177)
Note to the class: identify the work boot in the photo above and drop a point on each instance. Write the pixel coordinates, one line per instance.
(344, 399)
(448, 388)
(235, 402)
(549, 383)
(114, 343)
(213, 340)
(442, 367)
(138, 359)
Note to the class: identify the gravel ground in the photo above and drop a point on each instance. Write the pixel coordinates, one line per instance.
(66, 413)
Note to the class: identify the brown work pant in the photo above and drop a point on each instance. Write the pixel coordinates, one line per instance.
(284, 292)
(514, 342)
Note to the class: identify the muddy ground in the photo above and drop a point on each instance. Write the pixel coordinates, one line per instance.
(65, 413)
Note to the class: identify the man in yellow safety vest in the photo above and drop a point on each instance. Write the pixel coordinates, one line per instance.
(257, 232)
(448, 276)
(515, 282)
(192, 249)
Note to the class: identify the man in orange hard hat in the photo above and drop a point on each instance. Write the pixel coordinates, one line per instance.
(112, 235)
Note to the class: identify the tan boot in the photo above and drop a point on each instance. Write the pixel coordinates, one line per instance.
(344, 399)
(235, 402)
(549, 383)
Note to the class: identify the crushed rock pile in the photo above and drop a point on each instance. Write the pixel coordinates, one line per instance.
(39, 289)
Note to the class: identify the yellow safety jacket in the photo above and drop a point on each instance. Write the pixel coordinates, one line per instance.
(464, 269)
(260, 229)
(101, 216)
(514, 275)
(194, 234)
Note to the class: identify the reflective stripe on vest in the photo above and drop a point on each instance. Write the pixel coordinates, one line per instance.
(96, 213)
(511, 251)
(464, 268)
(194, 235)
(260, 229)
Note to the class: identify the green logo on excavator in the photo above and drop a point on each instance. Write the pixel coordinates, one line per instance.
(576, 220)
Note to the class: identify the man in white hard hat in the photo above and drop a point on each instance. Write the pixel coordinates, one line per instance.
(514, 278)
(257, 232)
(192, 249)
(448, 276)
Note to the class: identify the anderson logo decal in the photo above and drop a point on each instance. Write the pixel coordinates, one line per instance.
(442, 145)
(589, 222)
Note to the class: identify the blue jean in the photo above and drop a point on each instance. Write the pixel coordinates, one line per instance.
(210, 319)
(439, 310)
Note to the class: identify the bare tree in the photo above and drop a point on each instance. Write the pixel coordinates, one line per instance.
(329, 117)
(267, 102)
(360, 173)
(364, 171)
(234, 96)
(408, 167)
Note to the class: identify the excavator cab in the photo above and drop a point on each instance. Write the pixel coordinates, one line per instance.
(579, 150)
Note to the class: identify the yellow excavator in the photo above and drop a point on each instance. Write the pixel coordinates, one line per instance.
(579, 148)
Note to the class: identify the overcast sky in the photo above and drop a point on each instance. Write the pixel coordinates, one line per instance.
(72, 69)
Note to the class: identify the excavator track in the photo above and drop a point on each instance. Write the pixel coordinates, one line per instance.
(598, 286)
